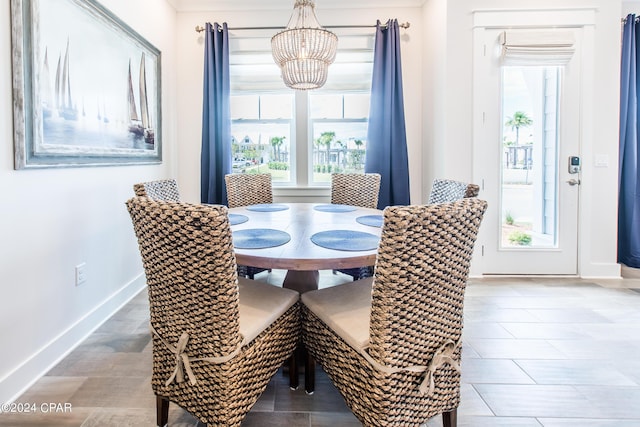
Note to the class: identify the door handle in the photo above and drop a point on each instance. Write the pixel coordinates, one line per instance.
(573, 182)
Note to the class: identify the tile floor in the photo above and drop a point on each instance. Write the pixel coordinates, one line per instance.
(537, 352)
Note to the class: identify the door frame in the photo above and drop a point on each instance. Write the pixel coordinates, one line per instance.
(583, 19)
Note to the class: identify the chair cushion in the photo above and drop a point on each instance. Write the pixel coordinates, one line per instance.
(260, 305)
(345, 309)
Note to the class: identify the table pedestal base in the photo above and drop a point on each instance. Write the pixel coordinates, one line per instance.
(302, 281)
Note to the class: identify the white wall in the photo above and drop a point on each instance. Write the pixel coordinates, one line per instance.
(54, 219)
(447, 117)
(630, 7)
(190, 72)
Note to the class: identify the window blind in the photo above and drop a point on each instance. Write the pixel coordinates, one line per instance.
(537, 47)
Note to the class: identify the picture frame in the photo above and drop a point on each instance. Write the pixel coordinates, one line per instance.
(86, 87)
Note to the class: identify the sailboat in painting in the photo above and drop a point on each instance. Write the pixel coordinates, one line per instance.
(140, 125)
(64, 101)
(47, 93)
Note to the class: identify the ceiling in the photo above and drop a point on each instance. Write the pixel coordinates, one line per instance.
(209, 5)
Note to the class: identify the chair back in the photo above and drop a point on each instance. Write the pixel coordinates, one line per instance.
(472, 190)
(355, 189)
(190, 266)
(164, 189)
(420, 277)
(244, 189)
(447, 190)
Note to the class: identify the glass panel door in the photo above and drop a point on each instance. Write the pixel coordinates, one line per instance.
(526, 127)
(529, 166)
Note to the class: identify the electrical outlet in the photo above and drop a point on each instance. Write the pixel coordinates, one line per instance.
(81, 273)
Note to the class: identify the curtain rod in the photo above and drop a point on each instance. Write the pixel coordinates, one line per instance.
(200, 29)
(623, 20)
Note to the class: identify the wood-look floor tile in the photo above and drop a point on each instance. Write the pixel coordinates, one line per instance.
(120, 326)
(515, 349)
(489, 421)
(103, 342)
(478, 289)
(537, 302)
(120, 392)
(568, 315)
(546, 331)
(485, 313)
(583, 372)
(629, 367)
(509, 400)
(75, 418)
(52, 389)
(121, 417)
(485, 330)
(493, 371)
(325, 399)
(471, 403)
(276, 419)
(84, 364)
(594, 349)
(334, 419)
(620, 331)
(266, 402)
(613, 401)
(583, 422)
(620, 314)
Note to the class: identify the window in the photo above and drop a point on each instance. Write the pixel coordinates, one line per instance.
(299, 137)
(261, 134)
(530, 143)
(339, 129)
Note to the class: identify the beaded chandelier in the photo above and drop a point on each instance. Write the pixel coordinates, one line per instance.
(304, 50)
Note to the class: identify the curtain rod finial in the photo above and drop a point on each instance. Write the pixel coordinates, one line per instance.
(405, 25)
(199, 28)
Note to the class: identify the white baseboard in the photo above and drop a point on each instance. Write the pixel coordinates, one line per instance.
(25, 375)
(600, 270)
(630, 272)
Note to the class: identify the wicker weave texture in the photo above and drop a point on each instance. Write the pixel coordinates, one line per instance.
(190, 267)
(165, 189)
(417, 302)
(248, 189)
(447, 190)
(355, 189)
(472, 190)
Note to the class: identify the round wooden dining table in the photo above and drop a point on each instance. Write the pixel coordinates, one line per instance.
(300, 256)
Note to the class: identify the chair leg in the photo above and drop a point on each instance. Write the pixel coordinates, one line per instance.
(309, 373)
(450, 419)
(293, 370)
(242, 271)
(162, 411)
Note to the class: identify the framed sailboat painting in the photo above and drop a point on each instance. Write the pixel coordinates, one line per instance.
(86, 87)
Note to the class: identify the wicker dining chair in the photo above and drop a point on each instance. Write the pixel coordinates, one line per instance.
(217, 339)
(164, 189)
(447, 190)
(356, 189)
(391, 344)
(244, 189)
